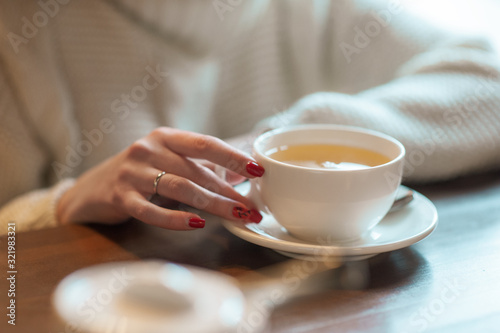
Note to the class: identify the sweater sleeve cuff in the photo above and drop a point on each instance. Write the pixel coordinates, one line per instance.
(35, 210)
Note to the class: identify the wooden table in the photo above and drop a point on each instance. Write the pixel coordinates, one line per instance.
(449, 282)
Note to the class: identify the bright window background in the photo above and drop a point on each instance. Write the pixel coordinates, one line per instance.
(469, 16)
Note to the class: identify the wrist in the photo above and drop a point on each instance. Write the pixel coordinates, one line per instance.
(60, 199)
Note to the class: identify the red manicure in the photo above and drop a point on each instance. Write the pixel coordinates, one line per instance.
(251, 215)
(241, 213)
(255, 216)
(196, 223)
(255, 169)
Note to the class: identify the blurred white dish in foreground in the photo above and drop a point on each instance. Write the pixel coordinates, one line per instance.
(152, 296)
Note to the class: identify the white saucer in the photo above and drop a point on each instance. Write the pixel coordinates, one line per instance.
(152, 296)
(397, 230)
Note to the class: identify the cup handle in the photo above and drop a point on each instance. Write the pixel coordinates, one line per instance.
(254, 196)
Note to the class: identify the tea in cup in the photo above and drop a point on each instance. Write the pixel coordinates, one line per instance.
(327, 182)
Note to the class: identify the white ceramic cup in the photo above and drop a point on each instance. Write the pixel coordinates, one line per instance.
(327, 205)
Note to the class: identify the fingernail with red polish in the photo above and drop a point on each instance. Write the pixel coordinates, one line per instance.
(196, 223)
(255, 216)
(255, 169)
(241, 213)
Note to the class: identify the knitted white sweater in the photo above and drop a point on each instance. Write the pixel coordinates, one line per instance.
(81, 80)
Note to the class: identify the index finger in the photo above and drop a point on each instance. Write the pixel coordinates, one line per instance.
(210, 148)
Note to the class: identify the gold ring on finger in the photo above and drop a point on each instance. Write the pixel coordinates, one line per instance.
(157, 180)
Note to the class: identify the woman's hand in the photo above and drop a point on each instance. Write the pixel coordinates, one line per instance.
(120, 187)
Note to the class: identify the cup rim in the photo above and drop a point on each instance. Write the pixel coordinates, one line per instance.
(356, 129)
